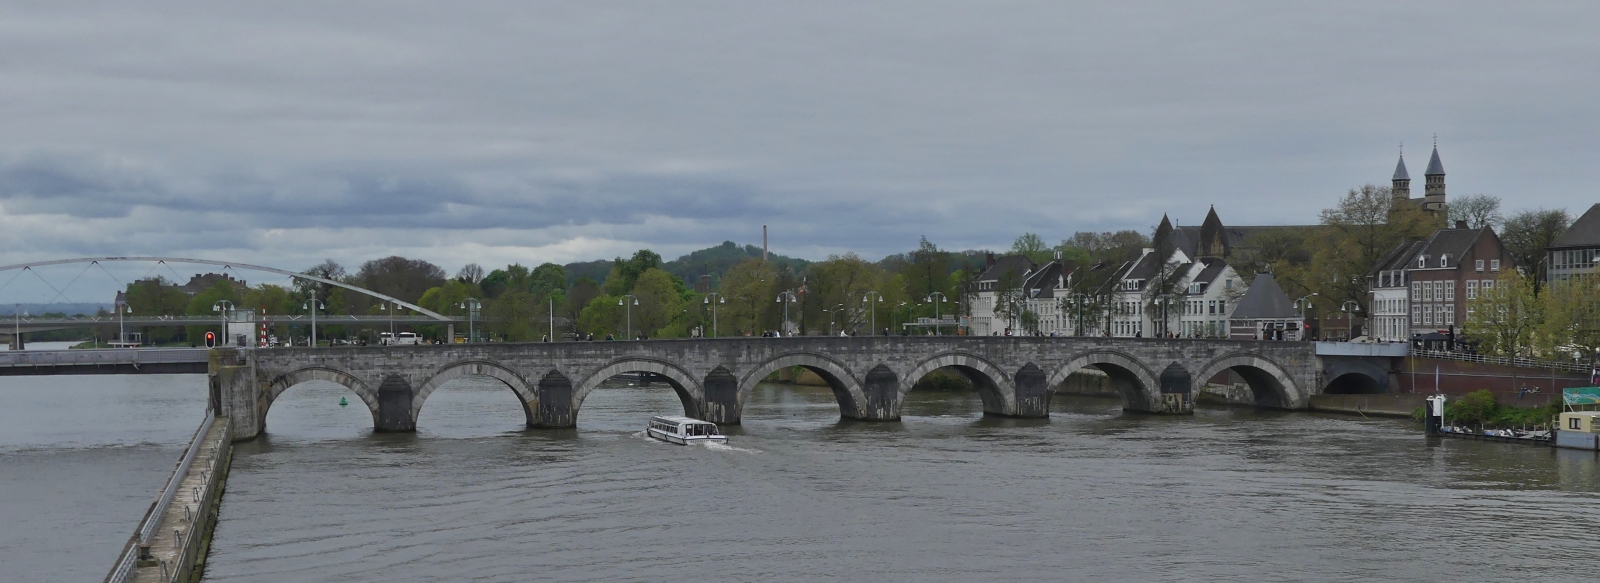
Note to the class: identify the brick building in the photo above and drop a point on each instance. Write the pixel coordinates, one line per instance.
(1420, 289)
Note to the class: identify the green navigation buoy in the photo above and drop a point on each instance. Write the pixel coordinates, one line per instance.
(343, 402)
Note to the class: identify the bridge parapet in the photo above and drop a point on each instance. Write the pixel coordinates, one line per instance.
(713, 378)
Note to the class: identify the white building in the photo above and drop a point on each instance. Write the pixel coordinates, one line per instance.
(1001, 276)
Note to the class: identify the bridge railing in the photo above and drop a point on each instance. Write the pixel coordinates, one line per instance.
(109, 356)
(1517, 362)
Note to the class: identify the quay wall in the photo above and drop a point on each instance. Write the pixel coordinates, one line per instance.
(1456, 378)
(1387, 405)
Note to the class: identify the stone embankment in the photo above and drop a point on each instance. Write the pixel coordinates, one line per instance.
(175, 534)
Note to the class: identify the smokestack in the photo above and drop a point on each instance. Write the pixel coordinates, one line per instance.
(763, 243)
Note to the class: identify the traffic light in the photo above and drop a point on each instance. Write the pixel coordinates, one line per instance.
(211, 339)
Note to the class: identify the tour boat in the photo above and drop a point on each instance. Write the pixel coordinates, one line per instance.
(684, 431)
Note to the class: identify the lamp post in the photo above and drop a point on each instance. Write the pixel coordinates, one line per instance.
(896, 313)
(872, 308)
(942, 299)
(786, 298)
(314, 305)
(16, 326)
(1306, 307)
(1349, 326)
(707, 301)
(833, 315)
(1077, 305)
(225, 308)
(472, 305)
(629, 308)
(122, 334)
(390, 305)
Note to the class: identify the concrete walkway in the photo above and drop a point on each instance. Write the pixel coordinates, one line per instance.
(184, 528)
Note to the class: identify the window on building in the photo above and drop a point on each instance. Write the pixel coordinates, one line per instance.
(1478, 265)
(1422, 261)
(1444, 260)
(1488, 284)
(1494, 265)
(1472, 288)
(1416, 313)
(1416, 291)
(1449, 291)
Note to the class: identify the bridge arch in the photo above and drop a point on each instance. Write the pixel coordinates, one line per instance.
(684, 384)
(486, 368)
(290, 379)
(1139, 386)
(995, 387)
(1272, 386)
(846, 387)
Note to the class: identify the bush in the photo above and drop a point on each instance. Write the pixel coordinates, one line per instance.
(1476, 408)
(1480, 408)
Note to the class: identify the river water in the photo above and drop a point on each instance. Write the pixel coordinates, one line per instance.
(1091, 494)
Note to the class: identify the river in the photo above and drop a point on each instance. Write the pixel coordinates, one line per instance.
(946, 495)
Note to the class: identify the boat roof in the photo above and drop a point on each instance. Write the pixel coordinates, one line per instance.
(681, 420)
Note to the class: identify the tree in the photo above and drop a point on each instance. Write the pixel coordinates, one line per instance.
(470, 273)
(748, 288)
(1572, 316)
(328, 269)
(1033, 247)
(202, 303)
(602, 316)
(447, 299)
(927, 271)
(844, 280)
(1360, 230)
(400, 278)
(1504, 318)
(661, 302)
(582, 293)
(512, 315)
(625, 272)
(1527, 234)
(1478, 210)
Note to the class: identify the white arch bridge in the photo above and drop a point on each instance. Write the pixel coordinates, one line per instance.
(714, 377)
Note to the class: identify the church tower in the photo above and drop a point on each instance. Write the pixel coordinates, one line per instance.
(1433, 195)
(1402, 180)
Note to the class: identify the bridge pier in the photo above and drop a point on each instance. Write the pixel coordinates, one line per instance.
(721, 404)
(1176, 398)
(394, 405)
(554, 410)
(1033, 392)
(880, 390)
(236, 394)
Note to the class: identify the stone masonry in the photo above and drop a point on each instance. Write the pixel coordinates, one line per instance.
(869, 376)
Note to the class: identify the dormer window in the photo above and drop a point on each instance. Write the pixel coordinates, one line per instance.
(1444, 260)
(1422, 261)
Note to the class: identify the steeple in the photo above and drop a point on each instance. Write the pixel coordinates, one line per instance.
(1402, 180)
(1213, 241)
(1433, 193)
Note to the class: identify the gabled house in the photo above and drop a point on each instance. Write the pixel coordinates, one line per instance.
(1577, 250)
(1001, 281)
(1420, 290)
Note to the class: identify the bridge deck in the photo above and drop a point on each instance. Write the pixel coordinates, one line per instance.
(104, 361)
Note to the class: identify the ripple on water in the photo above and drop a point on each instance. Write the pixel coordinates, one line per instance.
(946, 495)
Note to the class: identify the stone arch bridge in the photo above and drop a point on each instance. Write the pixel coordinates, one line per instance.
(714, 377)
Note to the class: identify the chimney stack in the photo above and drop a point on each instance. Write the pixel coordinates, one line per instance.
(1461, 224)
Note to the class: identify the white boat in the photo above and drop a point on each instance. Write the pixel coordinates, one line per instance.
(684, 431)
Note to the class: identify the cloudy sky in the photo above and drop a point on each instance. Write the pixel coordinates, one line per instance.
(283, 133)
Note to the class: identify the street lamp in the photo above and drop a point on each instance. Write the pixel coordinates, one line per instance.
(1077, 304)
(942, 299)
(1306, 307)
(122, 334)
(16, 325)
(707, 301)
(786, 298)
(472, 305)
(1349, 328)
(896, 313)
(225, 308)
(629, 309)
(314, 305)
(835, 316)
(872, 307)
(392, 338)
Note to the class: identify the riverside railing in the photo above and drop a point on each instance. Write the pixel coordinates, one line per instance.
(1499, 360)
(138, 546)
